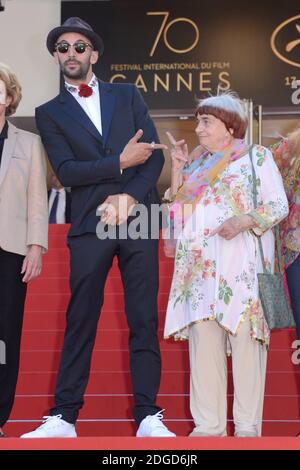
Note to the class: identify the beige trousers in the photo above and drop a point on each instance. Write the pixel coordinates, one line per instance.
(208, 379)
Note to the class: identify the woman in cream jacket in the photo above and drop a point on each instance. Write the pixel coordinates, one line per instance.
(23, 231)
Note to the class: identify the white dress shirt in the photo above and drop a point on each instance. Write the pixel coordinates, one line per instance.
(91, 104)
(61, 206)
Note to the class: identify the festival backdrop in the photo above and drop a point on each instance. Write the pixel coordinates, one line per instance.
(177, 50)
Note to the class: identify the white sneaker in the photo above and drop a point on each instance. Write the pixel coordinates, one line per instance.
(152, 426)
(53, 426)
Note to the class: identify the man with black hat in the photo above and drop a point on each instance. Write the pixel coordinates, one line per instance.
(91, 132)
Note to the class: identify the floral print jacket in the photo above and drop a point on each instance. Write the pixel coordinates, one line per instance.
(214, 278)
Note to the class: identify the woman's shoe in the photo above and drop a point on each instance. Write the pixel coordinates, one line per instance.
(245, 434)
(197, 433)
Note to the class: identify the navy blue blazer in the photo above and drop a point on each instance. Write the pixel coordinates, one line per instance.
(68, 205)
(90, 163)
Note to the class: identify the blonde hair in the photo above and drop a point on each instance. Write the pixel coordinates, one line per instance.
(294, 143)
(13, 88)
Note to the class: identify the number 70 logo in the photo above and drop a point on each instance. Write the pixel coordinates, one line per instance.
(164, 28)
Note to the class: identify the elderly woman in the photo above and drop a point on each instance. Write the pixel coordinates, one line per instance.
(214, 300)
(23, 231)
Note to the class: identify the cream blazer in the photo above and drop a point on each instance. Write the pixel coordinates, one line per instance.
(23, 192)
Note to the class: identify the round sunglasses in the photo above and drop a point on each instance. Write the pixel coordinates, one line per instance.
(80, 47)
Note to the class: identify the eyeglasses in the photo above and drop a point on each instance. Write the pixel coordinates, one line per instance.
(80, 47)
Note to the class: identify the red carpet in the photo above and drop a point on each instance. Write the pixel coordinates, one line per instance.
(108, 399)
(132, 444)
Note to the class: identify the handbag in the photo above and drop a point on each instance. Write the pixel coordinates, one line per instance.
(275, 305)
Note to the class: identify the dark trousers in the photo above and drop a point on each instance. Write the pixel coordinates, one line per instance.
(12, 299)
(293, 280)
(91, 260)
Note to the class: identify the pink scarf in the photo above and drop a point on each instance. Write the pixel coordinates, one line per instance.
(198, 176)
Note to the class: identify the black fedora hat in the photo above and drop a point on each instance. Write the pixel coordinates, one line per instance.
(74, 25)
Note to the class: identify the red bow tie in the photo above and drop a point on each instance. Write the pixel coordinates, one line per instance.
(85, 90)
